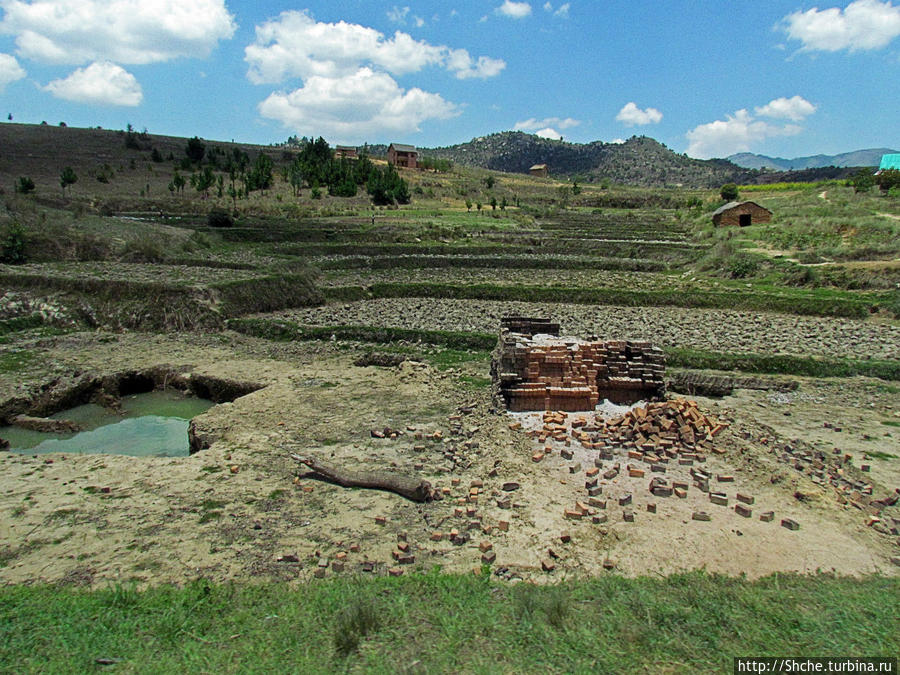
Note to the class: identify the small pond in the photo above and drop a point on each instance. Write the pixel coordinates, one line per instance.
(154, 424)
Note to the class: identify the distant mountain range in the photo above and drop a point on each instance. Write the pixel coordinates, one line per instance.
(870, 157)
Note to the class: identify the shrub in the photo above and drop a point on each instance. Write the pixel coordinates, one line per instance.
(729, 192)
(219, 218)
(12, 250)
(741, 266)
(25, 185)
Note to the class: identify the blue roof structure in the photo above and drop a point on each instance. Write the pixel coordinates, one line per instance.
(889, 162)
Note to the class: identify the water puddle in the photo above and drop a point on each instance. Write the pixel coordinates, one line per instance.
(153, 424)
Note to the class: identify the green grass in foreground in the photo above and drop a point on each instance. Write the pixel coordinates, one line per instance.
(806, 366)
(432, 622)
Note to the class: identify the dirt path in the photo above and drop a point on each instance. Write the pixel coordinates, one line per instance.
(96, 520)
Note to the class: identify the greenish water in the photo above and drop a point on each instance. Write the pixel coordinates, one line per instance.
(154, 424)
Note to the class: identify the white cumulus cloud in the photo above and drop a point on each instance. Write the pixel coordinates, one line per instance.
(464, 67)
(795, 109)
(514, 10)
(122, 31)
(550, 133)
(861, 25)
(536, 125)
(10, 70)
(736, 133)
(296, 45)
(101, 83)
(347, 75)
(355, 107)
(398, 14)
(630, 115)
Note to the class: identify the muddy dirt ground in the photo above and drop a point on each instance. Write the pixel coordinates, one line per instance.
(242, 509)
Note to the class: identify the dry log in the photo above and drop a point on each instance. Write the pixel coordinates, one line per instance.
(413, 489)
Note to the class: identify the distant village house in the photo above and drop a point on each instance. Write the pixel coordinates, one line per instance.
(345, 151)
(741, 214)
(540, 170)
(403, 155)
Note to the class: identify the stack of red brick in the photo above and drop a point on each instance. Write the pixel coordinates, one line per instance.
(572, 375)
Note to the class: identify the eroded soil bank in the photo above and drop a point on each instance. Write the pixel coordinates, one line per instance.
(241, 509)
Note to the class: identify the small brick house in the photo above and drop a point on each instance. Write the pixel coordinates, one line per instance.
(345, 151)
(741, 214)
(540, 170)
(403, 155)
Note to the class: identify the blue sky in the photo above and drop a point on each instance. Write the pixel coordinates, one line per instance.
(780, 77)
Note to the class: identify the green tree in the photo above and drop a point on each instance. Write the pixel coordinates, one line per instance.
(195, 150)
(177, 183)
(387, 187)
(489, 182)
(204, 180)
(262, 174)
(729, 192)
(67, 177)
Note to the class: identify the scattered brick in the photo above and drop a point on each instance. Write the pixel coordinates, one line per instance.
(488, 557)
(623, 501)
(548, 565)
(380, 520)
(651, 508)
(503, 525)
(485, 546)
(719, 498)
(510, 486)
(628, 516)
(725, 478)
(742, 510)
(701, 515)
(746, 499)
(395, 571)
(767, 516)
(790, 524)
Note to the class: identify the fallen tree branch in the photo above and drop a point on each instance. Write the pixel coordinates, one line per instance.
(413, 489)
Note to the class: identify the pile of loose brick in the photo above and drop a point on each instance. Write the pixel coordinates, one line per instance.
(658, 431)
(571, 375)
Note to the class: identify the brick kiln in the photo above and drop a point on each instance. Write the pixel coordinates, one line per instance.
(533, 368)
